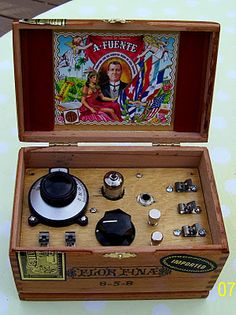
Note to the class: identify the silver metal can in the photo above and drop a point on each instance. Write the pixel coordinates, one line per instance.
(113, 183)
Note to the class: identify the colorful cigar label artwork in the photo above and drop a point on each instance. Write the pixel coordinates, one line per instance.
(120, 79)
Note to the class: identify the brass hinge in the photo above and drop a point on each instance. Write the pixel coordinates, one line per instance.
(166, 144)
(55, 22)
(112, 21)
(70, 144)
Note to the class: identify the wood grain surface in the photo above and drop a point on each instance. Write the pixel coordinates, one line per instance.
(154, 182)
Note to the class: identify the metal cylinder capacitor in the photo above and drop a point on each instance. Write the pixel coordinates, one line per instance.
(113, 183)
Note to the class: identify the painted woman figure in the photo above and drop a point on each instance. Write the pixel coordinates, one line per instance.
(95, 106)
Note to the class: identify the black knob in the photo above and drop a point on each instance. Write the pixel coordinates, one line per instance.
(115, 229)
(58, 189)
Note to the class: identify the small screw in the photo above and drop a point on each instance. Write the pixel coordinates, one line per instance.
(198, 210)
(32, 220)
(202, 232)
(177, 232)
(194, 188)
(93, 210)
(83, 221)
(169, 189)
(139, 175)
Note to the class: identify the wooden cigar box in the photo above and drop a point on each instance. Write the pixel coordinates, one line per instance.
(147, 85)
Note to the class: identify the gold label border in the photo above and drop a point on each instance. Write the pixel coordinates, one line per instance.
(60, 266)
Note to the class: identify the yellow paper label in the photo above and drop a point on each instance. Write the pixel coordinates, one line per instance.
(41, 265)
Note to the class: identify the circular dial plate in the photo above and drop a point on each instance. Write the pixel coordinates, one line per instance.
(58, 213)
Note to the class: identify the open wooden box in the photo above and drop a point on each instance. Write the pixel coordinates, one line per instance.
(179, 267)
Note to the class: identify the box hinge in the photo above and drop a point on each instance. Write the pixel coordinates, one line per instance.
(166, 144)
(70, 144)
(54, 22)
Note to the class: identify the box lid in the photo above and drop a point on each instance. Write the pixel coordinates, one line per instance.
(114, 81)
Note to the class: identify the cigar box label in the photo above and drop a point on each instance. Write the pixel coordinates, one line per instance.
(115, 78)
(41, 265)
(117, 272)
(188, 263)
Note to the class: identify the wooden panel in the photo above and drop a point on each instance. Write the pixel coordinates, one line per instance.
(136, 25)
(112, 157)
(115, 277)
(212, 201)
(209, 82)
(113, 296)
(113, 135)
(18, 201)
(154, 182)
(147, 285)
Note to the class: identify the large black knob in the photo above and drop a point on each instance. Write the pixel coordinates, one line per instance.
(58, 189)
(115, 229)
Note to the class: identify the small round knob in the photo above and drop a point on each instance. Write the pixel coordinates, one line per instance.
(156, 238)
(154, 216)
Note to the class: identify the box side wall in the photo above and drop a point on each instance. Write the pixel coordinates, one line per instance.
(214, 213)
(144, 274)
